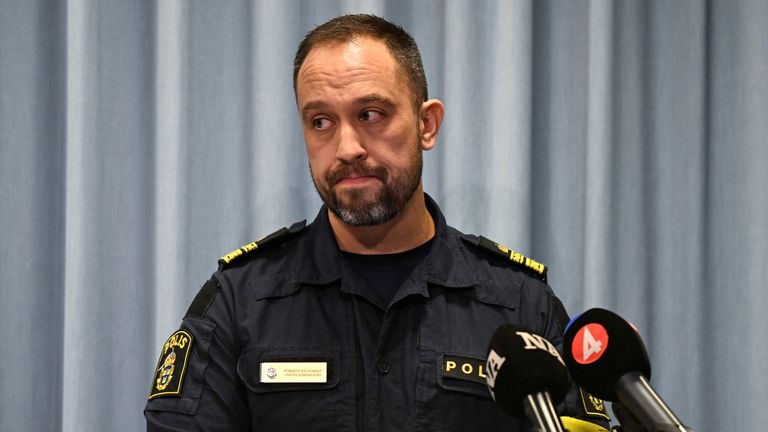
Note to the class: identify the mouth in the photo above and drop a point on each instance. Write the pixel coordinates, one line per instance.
(355, 176)
(356, 180)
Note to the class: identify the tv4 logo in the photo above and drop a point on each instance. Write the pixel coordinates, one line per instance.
(589, 344)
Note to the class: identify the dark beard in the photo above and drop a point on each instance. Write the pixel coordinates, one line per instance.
(389, 201)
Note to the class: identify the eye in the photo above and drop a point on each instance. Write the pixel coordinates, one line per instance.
(321, 123)
(370, 116)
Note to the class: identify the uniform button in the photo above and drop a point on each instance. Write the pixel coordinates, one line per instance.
(383, 367)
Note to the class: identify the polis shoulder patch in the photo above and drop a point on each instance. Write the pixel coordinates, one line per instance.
(277, 237)
(593, 407)
(169, 373)
(526, 264)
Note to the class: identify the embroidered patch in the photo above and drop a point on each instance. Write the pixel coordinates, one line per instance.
(464, 368)
(593, 407)
(171, 365)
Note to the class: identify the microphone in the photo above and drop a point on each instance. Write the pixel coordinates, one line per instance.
(606, 356)
(526, 376)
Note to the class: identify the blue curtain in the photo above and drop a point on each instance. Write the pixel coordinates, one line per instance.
(623, 143)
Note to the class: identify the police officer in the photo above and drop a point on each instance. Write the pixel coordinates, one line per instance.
(377, 315)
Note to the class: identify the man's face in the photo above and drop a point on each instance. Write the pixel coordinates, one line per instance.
(361, 130)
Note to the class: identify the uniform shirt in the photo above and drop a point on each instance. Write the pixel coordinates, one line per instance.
(296, 302)
(378, 277)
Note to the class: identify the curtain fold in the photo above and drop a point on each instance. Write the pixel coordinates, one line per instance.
(622, 143)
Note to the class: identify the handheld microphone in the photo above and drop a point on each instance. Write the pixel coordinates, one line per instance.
(526, 376)
(606, 356)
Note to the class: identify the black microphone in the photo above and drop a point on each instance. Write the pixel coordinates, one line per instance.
(606, 356)
(526, 376)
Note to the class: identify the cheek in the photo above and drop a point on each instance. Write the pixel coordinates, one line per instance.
(320, 157)
(403, 145)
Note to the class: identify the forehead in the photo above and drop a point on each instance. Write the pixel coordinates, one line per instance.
(349, 68)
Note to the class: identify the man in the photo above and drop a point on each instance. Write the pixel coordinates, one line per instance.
(377, 315)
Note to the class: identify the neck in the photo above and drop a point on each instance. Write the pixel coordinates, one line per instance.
(410, 228)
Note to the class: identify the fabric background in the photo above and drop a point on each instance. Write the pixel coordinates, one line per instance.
(623, 143)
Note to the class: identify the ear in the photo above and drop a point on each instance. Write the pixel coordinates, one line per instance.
(431, 117)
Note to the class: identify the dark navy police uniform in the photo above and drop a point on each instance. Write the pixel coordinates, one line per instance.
(285, 337)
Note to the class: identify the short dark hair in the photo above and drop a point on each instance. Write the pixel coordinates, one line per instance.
(348, 27)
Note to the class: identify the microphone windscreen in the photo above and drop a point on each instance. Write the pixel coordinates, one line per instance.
(522, 363)
(599, 348)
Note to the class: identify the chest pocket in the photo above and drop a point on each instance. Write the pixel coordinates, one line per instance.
(451, 390)
(297, 388)
(451, 395)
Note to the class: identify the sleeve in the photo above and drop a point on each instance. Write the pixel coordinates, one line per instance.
(578, 404)
(195, 386)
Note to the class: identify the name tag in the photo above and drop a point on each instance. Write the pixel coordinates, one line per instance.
(294, 372)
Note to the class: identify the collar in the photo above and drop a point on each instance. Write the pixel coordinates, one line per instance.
(319, 262)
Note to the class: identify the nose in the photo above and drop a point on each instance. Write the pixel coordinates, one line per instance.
(350, 148)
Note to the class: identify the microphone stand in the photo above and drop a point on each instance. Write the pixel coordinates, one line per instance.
(538, 408)
(637, 395)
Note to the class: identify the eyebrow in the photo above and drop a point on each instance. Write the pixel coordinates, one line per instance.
(374, 97)
(362, 100)
(311, 106)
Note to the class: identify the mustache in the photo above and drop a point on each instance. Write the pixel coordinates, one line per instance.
(355, 170)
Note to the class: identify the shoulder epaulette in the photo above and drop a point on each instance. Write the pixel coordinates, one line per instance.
(276, 238)
(526, 264)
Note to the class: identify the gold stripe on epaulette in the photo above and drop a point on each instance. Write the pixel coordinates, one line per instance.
(517, 257)
(521, 259)
(535, 265)
(238, 252)
(538, 269)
